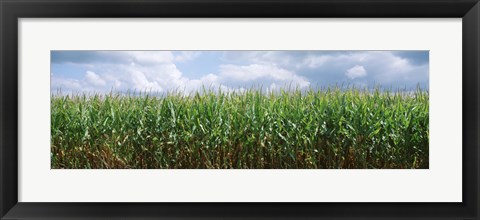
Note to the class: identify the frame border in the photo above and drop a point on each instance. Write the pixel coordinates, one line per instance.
(11, 10)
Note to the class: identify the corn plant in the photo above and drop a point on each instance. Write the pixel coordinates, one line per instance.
(288, 129)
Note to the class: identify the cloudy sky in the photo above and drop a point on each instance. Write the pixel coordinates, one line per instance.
(187, 71)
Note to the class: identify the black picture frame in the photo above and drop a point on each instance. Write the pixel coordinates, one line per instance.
(12, 10)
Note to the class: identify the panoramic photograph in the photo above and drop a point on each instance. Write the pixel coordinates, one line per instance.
(305, 109)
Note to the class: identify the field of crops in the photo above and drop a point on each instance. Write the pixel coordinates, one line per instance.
(314, 129)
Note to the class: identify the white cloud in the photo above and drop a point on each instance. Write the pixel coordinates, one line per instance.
(209, 82)
(162, 77)
(66, 85)
(315, 61)
(384, 68)
(135, 70)
(356, 72)
(167, 75)
(94, 79)
(117, 83)
(265, 72)
(156, 78)
(187, 55)
(141, 83)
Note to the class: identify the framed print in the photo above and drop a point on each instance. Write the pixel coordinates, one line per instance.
(227, 109)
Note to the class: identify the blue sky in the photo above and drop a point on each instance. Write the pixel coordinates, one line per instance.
(188, 71)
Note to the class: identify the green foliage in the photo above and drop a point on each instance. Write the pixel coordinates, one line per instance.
(329, 128)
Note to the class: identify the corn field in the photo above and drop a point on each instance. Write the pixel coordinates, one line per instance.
(330, 128)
